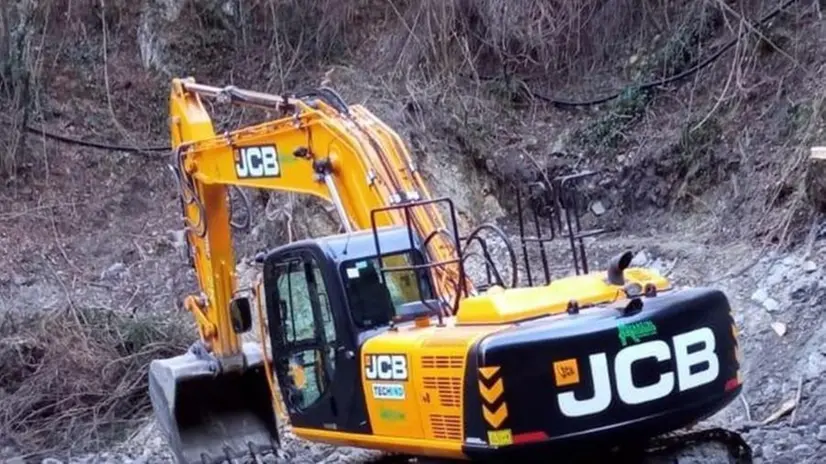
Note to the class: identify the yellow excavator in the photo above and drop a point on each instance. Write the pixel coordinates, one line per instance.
(376, 337)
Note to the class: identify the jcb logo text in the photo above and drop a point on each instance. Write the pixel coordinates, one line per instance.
(695, 368)
(385, 367)
(257, 162)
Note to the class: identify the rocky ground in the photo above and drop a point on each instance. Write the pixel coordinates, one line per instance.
(778, 301)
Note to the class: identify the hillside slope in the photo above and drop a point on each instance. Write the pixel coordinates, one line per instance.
(704, 172)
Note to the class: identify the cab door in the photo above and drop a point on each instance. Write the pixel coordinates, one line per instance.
(314, 352)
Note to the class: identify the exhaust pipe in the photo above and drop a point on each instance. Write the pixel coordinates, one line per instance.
(617, 266)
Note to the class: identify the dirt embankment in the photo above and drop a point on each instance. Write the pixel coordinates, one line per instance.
(708, 166)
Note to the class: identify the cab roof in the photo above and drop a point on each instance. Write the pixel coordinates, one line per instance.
(359, 244)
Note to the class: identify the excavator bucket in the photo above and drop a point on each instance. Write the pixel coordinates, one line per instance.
(211, 418)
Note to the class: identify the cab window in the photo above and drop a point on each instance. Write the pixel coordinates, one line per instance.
(308, 335)
(373, 303)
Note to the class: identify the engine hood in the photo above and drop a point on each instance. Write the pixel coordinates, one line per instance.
(504, 306)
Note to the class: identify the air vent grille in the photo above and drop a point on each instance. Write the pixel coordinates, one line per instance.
(449, 388)
(446, 427)
(442, 362)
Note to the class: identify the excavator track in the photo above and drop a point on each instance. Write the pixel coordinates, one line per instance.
(736, 444)
(661, 446)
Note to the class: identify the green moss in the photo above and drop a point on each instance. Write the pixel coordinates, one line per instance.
(797, 118)
(621, 115)
(680, 51)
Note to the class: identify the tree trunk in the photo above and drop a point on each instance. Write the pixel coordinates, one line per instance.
(815, 180)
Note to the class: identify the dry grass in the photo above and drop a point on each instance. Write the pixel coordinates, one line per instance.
(549, 38)
(438, 38)
(76, 378)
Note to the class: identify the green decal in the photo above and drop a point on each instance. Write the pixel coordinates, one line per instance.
(636, 331)
(391, 415)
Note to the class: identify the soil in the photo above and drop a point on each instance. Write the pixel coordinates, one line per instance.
(702, 178)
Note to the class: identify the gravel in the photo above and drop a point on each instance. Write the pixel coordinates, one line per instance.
(777, 369)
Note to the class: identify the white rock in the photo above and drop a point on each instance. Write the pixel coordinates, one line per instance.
(661, 267)
(777, 275)
(177, 238)
(816, 366)
(114, 271)
(771, 304)
(597, 208)
(640, 259)
(779, 328)
(760, 295)
(809, 266)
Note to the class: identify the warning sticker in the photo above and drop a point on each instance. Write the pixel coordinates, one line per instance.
(500, 437)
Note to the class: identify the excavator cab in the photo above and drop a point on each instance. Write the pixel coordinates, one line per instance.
(324, 297)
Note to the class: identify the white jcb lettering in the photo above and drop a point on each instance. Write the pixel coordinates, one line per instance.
(686, 360)
(370, 368)
(385, 367)
(629, 393)
(257, 162)
(385, 364)
(399, 367)
(573, 407)
(628, 390)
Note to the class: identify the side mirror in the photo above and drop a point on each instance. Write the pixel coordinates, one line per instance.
(240, 312)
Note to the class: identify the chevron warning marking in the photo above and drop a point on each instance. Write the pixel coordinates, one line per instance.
(495, 418)
(493, 393)
(488, 372)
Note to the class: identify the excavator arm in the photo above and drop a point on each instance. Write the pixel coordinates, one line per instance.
(316, 145)
(342, 154)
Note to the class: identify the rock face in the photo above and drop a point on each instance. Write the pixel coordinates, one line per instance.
(153, 37)
(160, 29)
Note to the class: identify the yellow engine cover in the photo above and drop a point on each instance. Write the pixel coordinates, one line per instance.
(517, 304)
